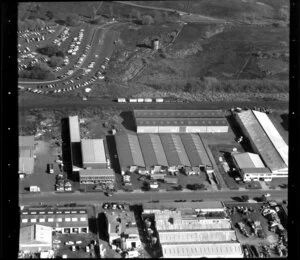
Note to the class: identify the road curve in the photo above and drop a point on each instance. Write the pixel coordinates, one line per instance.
(139, 197)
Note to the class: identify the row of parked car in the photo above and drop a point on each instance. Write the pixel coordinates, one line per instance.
(62, 184)
(74, 47)
(113, 206)
(62, 37)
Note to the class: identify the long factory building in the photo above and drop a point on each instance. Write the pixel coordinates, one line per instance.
(180, 121)
(265, 141)
(174, 152)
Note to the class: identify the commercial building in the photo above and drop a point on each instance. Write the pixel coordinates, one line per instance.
(122, 229)
(74, 129)
(60, 219)
(175, 152)
(185, 235)
(96, 176)
(197, 153)
(180, 121)
(153, 152)
(129, 152)
(93, 154)
(75, 143)
(251, 167)
(35, 238)
(265, 141)
(26, 154)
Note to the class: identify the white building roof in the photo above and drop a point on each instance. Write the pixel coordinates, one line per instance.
(93, 151)
(195, 250)
(26, 165)
(248, 160)
(35, 234)
(274, 135)
(74, 129)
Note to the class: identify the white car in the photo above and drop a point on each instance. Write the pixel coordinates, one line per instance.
(56, 241)
(69, 243)
(267, 195)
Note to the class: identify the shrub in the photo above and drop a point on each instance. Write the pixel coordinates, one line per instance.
(37, 71)
(51, 50)
(55, 61)
(72, 20)
(49, 15)
(147, 20)
(136, 14)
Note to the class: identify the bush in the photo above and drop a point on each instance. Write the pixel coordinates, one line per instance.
(72, 20)
(55, 61)
(38, 71)
(136, 14)
(51, 50)
(147, 20)
(49, 15)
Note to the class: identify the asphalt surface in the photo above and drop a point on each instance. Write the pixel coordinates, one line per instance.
(139, 197)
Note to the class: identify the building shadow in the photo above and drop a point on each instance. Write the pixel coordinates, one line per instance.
(112, 151)
(285, 121)
(93, 225)
(128, 120)
(66, 151)
(102, 226)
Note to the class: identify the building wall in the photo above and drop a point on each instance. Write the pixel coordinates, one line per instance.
(95, 165)
(147, 129)
(168, 129)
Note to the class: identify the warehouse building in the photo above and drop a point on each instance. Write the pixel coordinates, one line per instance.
(175, 153)
(197, 153)
(265, 141)
(251, 167)
(35, 238)
(129, 152)
(26, 154)
(180, 121)
(153, 152)
(75, 143)
(96, 176)
(63, 220)
(93, 154)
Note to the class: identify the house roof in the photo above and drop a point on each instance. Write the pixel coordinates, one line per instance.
(248, 160)
(26, 141)
(261, 141)
(174, 150)
(178, 113)
(195, 150)
(181, 121)
(97, 172)
(129, 150)
(152, 150)
(26, 165)
(93, 151)
(74, 129)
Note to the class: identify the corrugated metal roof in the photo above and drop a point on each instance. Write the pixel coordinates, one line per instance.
(273, 134)
(129, 151)
(26, 141)
(244, 160)
(179, 121)
(93, 151)
(174, 150)
(178, 113)
(97, 172)
(203, 250)
(74, 129)
(261, 141)
(195, 150)
(26, 165)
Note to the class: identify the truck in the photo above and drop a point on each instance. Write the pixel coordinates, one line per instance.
(50, 168)
(159, 100)
(34, 189)
(121, 100)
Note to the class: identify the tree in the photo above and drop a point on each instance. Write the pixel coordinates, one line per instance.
(136, 14)
(147, 20)
(245, 198)
(72, 20)
(55, 61)
(158, 17)
(49, 15)
(188, 87)
(111, 11)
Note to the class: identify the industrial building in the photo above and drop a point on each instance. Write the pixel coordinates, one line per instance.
(265, 141)
(75, 143)
(251, 167)
(197, 153)
(63, 220)
(180, 121)
(122, 229)
(35, 238)
(185, 235)
(175, 153)
(129, 152)
(26, 154)
(96, 176)
(93, 154)
(74, 129)
(153, 152)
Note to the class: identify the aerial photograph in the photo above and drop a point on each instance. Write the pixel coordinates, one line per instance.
(153, 129)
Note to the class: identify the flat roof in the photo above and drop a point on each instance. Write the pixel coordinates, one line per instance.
(74, 129)
(195, 250)
(152, 150)
(185, 205)
(174, 150)
(129, 150)
(195, 150)
(256, 170)
(93, 151)
(178, 113)
(248, 160)
(26, 165)
(97, 172)
(26, 152)
(263, 144)
(36, 234)
(45, 210)
(274, 135)
(26, 141)
(142, 121)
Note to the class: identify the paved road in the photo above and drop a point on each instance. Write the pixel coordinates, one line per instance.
(137, 197)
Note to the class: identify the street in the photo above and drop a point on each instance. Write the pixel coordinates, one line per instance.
(138, 197)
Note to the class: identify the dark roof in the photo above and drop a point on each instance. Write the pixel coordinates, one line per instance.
(181, 121)
(129, 151)
(174, 150)
(195, 150)
(152, 150)
(41, 210)
(178, 113)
